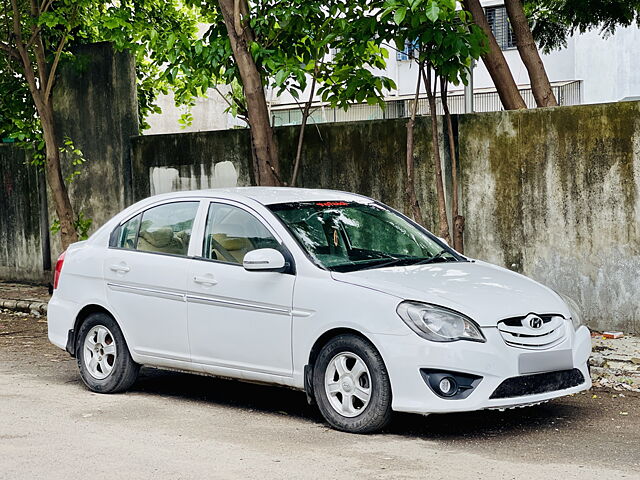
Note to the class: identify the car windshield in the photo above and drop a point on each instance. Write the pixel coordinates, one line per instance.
(349, 236)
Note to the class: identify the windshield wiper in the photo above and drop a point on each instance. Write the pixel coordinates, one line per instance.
(388, 263)
(437, 256)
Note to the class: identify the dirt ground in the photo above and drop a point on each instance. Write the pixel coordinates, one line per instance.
(173, 425)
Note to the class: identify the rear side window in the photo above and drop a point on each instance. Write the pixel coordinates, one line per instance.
(162, 229)
(167, 228)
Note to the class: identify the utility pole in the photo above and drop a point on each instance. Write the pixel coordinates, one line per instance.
(468, 90)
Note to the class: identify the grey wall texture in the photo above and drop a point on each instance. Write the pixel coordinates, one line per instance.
(21, 254)
(95, 103)
(96, 106)
(555, 194)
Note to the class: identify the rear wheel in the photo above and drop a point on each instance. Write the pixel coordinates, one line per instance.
(351, 385)
(103, 356)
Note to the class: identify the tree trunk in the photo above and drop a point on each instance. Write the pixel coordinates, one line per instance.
(530, 56)
(305, 117)
(458, 220)
(443, 222)
(264, 145)
(59, 192)
(495, 62)
(410, 188)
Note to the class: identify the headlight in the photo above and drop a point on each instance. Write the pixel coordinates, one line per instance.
(576, 318)
(438, 324)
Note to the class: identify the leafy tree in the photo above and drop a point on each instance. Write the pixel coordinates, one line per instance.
(554, 21)
(445, 41)
(332, 44)
(298, 46)
(37, 36)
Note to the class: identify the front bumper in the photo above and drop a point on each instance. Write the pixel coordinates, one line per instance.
(494, 361)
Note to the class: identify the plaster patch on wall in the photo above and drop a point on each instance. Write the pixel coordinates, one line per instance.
(192, 177)
(480, 204)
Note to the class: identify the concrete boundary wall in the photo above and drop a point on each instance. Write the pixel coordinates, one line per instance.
(21, 238)
(551, 193)
(555, 194)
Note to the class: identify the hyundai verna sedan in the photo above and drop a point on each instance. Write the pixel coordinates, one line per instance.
(323, 291)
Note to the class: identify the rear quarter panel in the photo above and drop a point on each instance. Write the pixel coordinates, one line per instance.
(81, 283)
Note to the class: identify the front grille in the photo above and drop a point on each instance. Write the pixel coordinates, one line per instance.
(516, 332)
(538, 383)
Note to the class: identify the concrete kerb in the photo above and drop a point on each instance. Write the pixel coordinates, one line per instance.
(26, 306)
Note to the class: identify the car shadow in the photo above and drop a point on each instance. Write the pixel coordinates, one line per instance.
(454, 427)
(226, 392)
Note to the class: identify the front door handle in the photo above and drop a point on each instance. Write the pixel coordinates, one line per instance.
(206, 280)
(119, 268)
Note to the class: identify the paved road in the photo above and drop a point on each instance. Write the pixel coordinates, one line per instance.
(180, 426)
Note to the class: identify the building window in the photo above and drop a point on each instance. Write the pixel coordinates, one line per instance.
(409, 53)
(500, 26)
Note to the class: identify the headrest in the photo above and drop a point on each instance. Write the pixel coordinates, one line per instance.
(158, 238)
(230, 243)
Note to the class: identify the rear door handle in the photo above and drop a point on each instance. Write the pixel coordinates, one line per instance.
(119, 268)
(205, 280)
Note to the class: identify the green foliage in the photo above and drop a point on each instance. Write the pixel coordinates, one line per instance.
(330, 41)
(76, 159)
(445, 37)
(141, 26)
(82, 225)
(554, 21)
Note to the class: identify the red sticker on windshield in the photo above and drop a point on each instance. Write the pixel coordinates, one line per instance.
(332, 204)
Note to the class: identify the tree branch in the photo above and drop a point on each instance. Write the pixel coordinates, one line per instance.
(27, 66)
(54, 66)
(237, 24)
(17, 29)
(45, 6)
(12, 52)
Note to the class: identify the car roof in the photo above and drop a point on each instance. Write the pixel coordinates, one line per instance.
(271, 195)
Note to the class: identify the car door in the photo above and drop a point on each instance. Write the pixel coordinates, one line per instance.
(238, 319)
(146, 270)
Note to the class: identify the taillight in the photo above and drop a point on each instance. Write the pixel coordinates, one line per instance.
(56, 275)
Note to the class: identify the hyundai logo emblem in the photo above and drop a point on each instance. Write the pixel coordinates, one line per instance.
(534, 322)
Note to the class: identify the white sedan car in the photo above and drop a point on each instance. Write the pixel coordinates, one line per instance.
(328, 292)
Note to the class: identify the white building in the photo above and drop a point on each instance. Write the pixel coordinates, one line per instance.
(591, 69)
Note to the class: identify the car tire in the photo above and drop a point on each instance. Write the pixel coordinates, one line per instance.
(351, 385)
(103, 357)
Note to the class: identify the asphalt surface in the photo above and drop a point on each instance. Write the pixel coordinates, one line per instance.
(179, 426)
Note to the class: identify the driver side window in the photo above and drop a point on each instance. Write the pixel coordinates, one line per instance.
(232, 232)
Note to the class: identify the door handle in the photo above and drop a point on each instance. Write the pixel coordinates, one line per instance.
(205, 280)
(119, 268)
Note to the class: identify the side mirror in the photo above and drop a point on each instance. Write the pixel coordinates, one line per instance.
(263, 259)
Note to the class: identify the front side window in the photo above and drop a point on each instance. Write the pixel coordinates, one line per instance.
(232, 232)
(348, 236)
(167, 228)
(128, 233)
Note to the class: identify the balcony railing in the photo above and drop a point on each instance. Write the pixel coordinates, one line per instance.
(567, 93)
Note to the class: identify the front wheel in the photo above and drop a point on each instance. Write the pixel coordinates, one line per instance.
(103, 356)
(351, 385)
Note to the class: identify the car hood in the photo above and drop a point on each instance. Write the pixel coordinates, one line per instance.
(484, 292)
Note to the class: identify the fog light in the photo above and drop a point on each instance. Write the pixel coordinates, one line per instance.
(448, 386)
